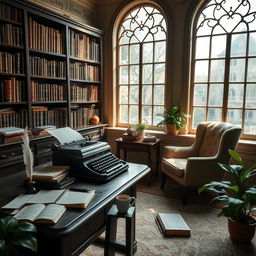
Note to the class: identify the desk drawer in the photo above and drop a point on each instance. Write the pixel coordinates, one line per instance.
(11, 155)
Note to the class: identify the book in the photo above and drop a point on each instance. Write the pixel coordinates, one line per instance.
(126, 137)
(54, 172)
(149, 138)
(45, 184)
(40, 213)
(172, 224)
(11, 131)
(18, 201)
(75, 199)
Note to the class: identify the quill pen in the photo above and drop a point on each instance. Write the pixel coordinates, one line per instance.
(27, 155)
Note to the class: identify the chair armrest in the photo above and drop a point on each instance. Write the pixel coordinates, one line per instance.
(202, 170)
(179, 152)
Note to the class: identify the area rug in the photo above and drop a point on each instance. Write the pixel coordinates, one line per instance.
(209, 234)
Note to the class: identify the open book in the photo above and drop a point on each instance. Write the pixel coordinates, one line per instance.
(74, 199)
(172, 224)
(40, 213)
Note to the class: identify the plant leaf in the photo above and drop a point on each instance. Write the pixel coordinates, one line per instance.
(26, 227)
(250, 173)
(220, 198)
(233, 207)
(26, 240)
(235, 155)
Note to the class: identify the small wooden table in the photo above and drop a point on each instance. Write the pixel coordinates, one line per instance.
(140, 146)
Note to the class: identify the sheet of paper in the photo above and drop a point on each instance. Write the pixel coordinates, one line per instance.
(45, 197)
(66, 135)
(18, 202)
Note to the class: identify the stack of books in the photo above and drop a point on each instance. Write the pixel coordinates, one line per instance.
(11, 134)
(53, 177)
(43, 130)
(127, 137)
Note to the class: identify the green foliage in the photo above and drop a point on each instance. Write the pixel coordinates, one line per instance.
(140, 127)
(14, 234)
(239, 197)
(173, 116)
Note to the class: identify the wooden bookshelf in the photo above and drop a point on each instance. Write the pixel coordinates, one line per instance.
(46, 61)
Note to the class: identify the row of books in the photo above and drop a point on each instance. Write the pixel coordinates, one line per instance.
(10, 117)
(44, 116)
(83, 71)
(9, 13)
(47, 92)
(84, 47)
(84, 93)
(46, 67)
(11, 62)
(39, 36)
(11, 34)
(11, 90)
(81, 116)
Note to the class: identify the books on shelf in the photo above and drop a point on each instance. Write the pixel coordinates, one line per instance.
(40, 213)
(68, 198)
(84, 71)
(84, 93)
(172, 224)
(12, 62)
(55, 172)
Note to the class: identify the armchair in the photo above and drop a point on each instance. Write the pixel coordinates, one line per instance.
(196, 165)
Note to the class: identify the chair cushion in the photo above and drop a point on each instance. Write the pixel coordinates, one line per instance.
(175, 165)
(212, 138)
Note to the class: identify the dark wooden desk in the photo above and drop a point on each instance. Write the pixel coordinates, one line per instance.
(140, 146)
(77, 228)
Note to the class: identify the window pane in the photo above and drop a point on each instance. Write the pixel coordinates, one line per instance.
(134, 114)
(147, 114)
(123, 79)
(134, 54)
(159, 74)
(134, 74)
(236, 95)
(123, 116)
(250, 122)
(147, 53)
(251, 72)
(250, 96)
(216, 95)
(214, 114)
(235, 116)
(238, 45)
(123, 94)
(237, 70)
(252, 45)
(199, 115)
(156, 118)
(218, 46)
(201, 71)
(147, 94)
(134, 94)
(202, 47)
(159, 94)
(200, 95)
(217, 70)
(147, 74)
(160, 49)
(124, 54)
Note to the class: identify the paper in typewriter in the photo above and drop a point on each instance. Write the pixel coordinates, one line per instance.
(66, 135)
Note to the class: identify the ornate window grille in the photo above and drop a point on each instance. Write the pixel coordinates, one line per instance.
(141, 62)
(224, 64)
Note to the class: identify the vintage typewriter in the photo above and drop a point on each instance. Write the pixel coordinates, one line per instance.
(89, 159)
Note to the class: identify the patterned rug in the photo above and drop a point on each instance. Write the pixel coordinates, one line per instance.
(209, 234)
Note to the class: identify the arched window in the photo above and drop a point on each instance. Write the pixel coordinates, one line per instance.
(141, 59)
(224, 64)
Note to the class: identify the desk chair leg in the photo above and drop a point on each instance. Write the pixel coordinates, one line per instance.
(163, 180)
(110, 236)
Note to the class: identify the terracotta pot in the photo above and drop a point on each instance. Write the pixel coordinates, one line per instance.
(171, 129)
(240, 232)
(94, 120)
(183, 130)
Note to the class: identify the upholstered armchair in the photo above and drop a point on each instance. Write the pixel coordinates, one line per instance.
(196, 165)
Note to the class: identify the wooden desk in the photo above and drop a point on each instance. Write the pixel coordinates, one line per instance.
(139, 146)
(77, 228)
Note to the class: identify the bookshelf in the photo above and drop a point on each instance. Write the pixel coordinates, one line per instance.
(50, 69)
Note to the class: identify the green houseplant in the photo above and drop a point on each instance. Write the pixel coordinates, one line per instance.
(16, 236)
(140, 130)
(239, 196)
(173, 120)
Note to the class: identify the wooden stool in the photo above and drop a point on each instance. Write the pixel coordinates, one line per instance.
(130, 245)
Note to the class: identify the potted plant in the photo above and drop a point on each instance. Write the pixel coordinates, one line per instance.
(240, 199)
(173, 120)
(16, 237)
(140, 130)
